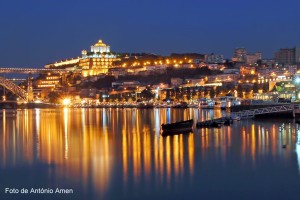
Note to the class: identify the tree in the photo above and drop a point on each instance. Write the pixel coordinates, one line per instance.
(212, 93)
(146, 94)
(255, 88)
(54, 97)
(219, 90)
(266, 87)
(105, 82)
(240, 90)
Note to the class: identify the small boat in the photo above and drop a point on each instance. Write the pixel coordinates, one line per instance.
(177, 127)
(210, 124)
(205, 103)
(142, 105)
(181, 105)
(235, 118)
(227, 121)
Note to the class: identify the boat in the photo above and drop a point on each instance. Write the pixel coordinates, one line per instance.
(235, 118)
(142, 105)
(181, 105)
(205, 103)
(177, 127)
(226, 102)
(210, 124)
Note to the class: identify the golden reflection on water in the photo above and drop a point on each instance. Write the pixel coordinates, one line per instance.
(91, 145)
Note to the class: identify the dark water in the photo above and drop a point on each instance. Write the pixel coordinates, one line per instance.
(119, 154)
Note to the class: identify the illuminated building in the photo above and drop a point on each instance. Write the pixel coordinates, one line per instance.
(48, 81)
(97, 61)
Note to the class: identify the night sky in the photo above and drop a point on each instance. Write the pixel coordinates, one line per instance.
(36, 32)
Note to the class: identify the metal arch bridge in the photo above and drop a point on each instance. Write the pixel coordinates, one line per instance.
(14, 88)
(23, 94)
(35, 70)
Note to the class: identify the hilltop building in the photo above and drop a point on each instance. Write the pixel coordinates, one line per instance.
(96, 61)
(214, 59)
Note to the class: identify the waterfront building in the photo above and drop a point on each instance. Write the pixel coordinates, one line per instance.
(48, 81)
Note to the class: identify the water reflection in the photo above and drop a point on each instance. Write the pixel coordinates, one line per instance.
(98, 148)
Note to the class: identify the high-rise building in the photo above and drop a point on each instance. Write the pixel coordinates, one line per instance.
(240, 55)
(253, 58)
(297, 55)
(288, 56)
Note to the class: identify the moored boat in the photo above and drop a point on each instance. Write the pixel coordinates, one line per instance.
(181, 105)
(145, 105)
(205, 103)
(209, 124)
(177, 127)
(226, 102)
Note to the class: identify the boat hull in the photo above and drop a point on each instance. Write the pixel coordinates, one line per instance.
(178, 127)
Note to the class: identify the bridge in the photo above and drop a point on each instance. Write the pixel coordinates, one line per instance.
(35, 70)
(14, 88)
(20, 92)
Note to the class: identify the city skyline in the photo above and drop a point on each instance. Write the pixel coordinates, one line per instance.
(36, 33)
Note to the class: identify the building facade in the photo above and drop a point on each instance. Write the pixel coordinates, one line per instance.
(214, 59)
(97, 61)
(94, 62)
(288, 56)
(240, 55)
(252, 58)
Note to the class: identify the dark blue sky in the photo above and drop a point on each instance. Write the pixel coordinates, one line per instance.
(37, 32)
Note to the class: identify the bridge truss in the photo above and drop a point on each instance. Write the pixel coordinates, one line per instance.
(14, 88)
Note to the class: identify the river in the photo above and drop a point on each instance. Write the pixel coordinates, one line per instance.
(113, 153)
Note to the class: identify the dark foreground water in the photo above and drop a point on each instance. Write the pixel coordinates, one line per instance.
(119, 154)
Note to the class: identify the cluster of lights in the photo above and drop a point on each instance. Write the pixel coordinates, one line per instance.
(160, 62)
